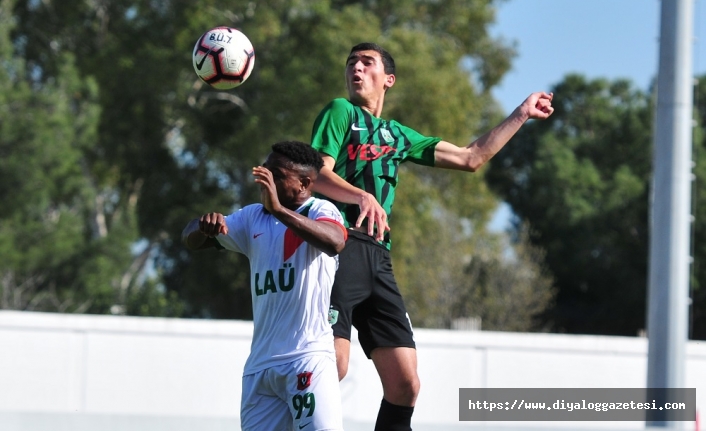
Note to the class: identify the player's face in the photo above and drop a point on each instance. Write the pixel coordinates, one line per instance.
(287, 180)
(366, 79)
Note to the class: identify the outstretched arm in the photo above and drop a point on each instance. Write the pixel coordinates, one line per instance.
(331, 185)
(327, 236)
(477, 153)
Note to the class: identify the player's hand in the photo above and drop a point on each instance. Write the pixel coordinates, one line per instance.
(213, 224)
(268, 189)
(538, 105)
(370, 208)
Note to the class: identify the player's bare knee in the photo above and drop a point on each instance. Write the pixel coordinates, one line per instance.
(415, 385)
(409, 388)
(402, 391)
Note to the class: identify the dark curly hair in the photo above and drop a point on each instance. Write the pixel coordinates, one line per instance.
(299, 153)
(387, 59)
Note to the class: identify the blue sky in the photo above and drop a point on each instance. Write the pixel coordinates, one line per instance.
(596, 38)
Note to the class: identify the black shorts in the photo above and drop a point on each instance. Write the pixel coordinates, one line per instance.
(366, 296)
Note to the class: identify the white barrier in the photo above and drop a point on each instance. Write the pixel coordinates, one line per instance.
(113, 373)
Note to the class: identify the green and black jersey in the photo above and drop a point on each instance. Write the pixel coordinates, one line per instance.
(368, 151)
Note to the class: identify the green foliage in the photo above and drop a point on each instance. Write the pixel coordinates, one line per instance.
(68, 231)
(151, 300)
(296, 75)
(581, 180)
(507, 294)
(450, 268)
(109, 145)
(43, 131)
(125, 145)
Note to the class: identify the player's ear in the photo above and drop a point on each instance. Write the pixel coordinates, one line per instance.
(389, 81)
(306, 182)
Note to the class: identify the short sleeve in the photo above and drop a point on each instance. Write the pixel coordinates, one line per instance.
(422, 147)
(238, 228)
(331, 127)
(325, 210)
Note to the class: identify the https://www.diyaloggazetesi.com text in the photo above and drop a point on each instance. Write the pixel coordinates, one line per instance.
(577, 404)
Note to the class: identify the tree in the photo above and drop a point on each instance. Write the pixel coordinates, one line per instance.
(69, 234)
(159, 147)
(295, 75)
(43, 132)
(581, 180)
(450, 268)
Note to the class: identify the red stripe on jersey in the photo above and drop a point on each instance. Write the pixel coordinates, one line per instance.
(291, 243)
(337, 223)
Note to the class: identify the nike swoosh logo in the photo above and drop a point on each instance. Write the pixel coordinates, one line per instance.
(257, 234)
(302, 426)
(199, 65)
(354, 127)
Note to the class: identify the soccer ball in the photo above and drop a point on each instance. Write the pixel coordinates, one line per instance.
(223, 58)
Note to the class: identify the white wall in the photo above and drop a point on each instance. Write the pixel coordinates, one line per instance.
(80, 372)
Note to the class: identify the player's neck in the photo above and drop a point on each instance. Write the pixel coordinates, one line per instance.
(374, 107)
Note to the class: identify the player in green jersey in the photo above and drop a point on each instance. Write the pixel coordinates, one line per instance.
(362, 153)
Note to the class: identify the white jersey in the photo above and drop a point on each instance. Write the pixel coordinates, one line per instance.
(290, 281)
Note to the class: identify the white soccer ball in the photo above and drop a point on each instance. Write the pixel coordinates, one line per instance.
(223, 58)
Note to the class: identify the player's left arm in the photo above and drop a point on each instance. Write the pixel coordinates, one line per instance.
(477, 153)
(327, 236)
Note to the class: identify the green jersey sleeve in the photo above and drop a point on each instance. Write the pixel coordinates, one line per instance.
(423, 147)
(331, 127)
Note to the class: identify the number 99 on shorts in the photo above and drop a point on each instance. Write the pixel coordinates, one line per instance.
(300, 402)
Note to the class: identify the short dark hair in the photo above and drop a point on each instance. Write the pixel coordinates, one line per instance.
(299, 153)
(387, 59)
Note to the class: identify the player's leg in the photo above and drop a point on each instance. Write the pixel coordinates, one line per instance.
(389, 342)
(397, 367)
(260, 407)
(351, 286)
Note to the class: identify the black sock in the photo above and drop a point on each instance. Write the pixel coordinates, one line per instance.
(394, 418)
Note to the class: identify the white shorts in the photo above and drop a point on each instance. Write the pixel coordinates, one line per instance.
(303, 395)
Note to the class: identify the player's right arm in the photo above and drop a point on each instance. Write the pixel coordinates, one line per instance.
(200, 233)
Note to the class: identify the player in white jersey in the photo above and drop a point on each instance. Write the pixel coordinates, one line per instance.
(292, 239)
